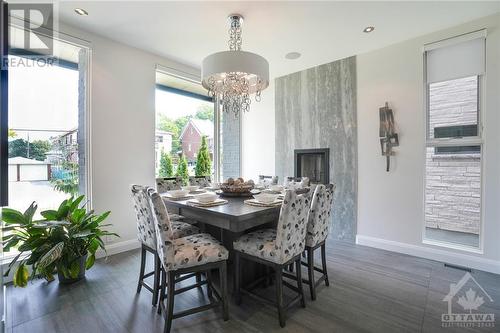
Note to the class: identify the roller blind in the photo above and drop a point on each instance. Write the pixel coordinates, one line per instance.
(457, 57)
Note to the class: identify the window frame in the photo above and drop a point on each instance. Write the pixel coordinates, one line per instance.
(454, 142)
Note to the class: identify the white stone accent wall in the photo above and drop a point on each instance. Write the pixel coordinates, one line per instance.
(453, 181)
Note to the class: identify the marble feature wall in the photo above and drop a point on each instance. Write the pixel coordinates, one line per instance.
(316, 108)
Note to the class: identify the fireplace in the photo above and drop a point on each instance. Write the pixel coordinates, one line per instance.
(314, 164)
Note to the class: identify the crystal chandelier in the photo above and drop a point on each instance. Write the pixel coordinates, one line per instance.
(232, 76)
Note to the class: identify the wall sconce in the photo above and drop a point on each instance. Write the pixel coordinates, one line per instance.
(388, 136)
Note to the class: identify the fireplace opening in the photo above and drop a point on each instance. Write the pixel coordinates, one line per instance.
(314, 164)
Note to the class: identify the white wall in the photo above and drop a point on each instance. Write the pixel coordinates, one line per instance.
(390, 205)
(122, 125)
(258, 132)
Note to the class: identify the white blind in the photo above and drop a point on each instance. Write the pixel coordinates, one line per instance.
(457, 57)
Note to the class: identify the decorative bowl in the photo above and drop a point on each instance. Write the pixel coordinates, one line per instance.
(266, 197)
(226, 188)
(207, 197)
(190, 188)
(178, 193)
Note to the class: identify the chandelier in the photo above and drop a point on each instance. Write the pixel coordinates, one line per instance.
(232, 76)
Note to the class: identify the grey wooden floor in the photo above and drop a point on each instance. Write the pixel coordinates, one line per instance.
(370, 291)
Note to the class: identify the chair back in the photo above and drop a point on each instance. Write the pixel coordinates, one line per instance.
(319, 216)
(201, 181)
(163, 229)
(267, 181)
(297, 182)
(292, 226)
(168, 184)
(145, 223)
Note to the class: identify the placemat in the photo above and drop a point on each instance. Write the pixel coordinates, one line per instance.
(254, 202)
(171, 198)
(196, 203)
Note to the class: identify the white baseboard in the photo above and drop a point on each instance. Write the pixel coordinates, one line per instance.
(432, 253)
(118, 247)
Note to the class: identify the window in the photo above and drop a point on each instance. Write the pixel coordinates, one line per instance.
(185, 114)
(47, 127)
(454, 74)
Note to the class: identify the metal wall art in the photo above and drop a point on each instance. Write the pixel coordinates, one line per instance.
(388, 136)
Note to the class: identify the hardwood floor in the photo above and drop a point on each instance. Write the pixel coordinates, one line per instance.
(370, 291)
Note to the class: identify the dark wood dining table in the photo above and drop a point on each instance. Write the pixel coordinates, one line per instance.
(235, 216)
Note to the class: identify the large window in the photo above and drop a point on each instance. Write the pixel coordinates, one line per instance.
(185, 129)
(454, 74)
(47, 146)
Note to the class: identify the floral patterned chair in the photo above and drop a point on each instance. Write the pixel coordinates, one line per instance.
(147, 236)
(186, 255)
(277, 248)
(319, 219)
(201, 181)
(166, 184)
(163, 185)
(266, 181)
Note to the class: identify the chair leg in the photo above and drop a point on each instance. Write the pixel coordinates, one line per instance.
(141, 270)
(156, 286)
(237, 292)
(310, 270)
(279, 295)
(163, 286)
(170, 302)
(323, 260)
(209, 283)
(223, 287)
(299, 282)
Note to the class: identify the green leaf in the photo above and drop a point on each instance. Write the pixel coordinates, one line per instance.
(49, 214)
(102, 217)
(30, 212)
(52, 255)
(12, 216)
(90, 261)
(76, 202)
(74, 269)
(21, 275)
(94, 245)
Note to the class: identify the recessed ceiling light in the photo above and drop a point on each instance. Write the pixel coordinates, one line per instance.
(292, 55)
(368, 29)
(81, 12)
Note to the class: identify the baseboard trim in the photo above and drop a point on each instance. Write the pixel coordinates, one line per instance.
(118, 247)
(431, 253)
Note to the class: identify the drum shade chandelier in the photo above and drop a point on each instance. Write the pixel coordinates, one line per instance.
(232, 76)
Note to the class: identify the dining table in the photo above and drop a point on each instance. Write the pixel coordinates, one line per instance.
(235, 216)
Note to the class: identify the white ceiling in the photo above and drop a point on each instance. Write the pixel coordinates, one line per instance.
(321, 31)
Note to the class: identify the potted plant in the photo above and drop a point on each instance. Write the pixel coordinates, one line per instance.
(65, 240)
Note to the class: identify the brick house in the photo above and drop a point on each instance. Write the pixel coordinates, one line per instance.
(191, 136)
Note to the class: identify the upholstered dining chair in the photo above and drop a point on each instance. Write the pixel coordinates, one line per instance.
(201, 181)
(147, 236)
(185, 255)
(165, 184)
(267, 181)
(277, 248)
(319, 219)
(303, 181)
